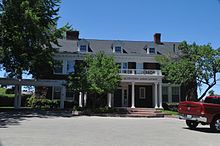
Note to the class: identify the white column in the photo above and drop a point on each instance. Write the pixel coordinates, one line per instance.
(62, 97)
(160, 95)
(109, 100)
(155, 95)
(113, 100)
(80, 99)
(85, 98)
(132, 96)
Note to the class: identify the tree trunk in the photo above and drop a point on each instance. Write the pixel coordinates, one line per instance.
(191, 91)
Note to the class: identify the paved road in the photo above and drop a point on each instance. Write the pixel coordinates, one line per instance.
(102, 131)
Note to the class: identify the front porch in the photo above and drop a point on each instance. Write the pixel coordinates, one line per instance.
(139, 88)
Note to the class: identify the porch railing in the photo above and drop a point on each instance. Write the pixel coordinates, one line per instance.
(139, 72)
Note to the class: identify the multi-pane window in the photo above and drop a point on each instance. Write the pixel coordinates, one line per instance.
(142, 93)
(70, 66)
(165, 94)
(139, 68)
(83, 48)
(58, 67)
(175, 94)
(118, 49)
(151, 50)
(57, 92)
(70, 95)
(123, 66)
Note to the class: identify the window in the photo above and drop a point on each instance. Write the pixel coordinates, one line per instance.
(151, 50)
(165, 94)
(142, 93)
(70, 95)
(57, 92)
(175, 94)
(70, 66)
(58, 67)
(118, 49)
(83, 48)
(212, 100)
(139, 67)
(123, 66)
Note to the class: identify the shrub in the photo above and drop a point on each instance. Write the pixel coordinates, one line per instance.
(9, 91)
(41, 103)
(170, 106)
(105, 110)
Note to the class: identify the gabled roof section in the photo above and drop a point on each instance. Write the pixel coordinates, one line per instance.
(130, 47)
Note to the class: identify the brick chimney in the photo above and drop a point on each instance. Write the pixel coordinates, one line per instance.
(157, 38)
(72, 35)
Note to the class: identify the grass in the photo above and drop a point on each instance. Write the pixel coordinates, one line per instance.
(170, 112)
(3, 94)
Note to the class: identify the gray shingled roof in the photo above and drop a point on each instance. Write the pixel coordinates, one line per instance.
(131, 47)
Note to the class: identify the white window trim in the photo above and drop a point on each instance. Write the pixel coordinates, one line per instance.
(179, 93)
(87, 48)
(170, 91)
(142, 97)
(63, 66)
(148, 50)
(74, 62)
(118, 46)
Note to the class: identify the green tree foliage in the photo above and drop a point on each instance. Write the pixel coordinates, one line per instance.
(98, 74)
(28, 34)
(102, 73)
(195, 65)
(78, 80)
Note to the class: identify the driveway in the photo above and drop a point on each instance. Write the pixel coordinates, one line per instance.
(53, 130)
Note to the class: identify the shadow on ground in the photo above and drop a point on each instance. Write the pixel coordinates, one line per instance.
(202, 129)
(14, 117)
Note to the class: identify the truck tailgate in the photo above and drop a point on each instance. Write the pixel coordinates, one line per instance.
(190, 108)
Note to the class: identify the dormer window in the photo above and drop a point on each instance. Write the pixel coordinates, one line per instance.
(151, 50)
(118, 49)
(83, 48)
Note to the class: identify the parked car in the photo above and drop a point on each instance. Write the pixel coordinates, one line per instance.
(206, 112)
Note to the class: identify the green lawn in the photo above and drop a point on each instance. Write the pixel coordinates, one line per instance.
(170, 112)
(3, 94)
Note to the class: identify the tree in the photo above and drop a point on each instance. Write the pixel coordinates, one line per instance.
(102, 73)
(78, 80)
(99, 75)
(194, 66)
(28, 34)
(211, 92)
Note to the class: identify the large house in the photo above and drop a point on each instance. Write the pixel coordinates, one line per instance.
(142, 83)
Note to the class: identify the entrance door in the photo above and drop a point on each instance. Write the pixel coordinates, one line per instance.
(124, 97)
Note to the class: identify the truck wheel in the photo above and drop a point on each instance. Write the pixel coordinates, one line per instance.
(191, 124)
(215, 125)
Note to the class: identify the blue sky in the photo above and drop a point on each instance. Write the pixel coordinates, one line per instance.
(177, 20)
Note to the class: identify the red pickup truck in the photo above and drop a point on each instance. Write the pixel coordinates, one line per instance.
(207, 112)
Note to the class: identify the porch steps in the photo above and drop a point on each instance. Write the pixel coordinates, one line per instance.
(141, 112)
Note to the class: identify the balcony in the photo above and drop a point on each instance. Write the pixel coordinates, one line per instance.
(140, 72)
